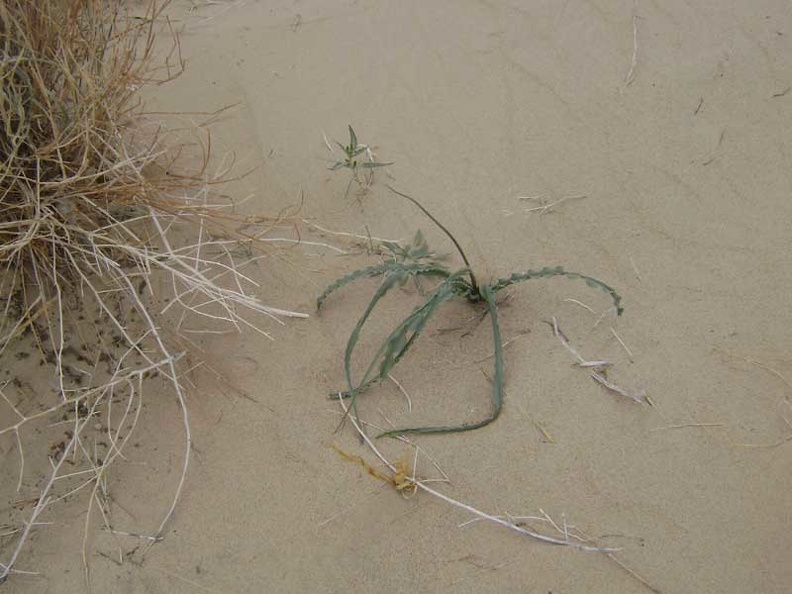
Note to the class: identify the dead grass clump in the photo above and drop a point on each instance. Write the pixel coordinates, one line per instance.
(93, 209)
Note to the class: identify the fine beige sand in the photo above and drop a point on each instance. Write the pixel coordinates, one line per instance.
(662, 132)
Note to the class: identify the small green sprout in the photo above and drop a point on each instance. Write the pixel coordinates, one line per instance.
(354, 160)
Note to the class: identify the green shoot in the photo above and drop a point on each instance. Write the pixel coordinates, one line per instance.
(354, 160)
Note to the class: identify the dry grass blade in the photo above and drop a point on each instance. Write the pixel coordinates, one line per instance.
(100, 220)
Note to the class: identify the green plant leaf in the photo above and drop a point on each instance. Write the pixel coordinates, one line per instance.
(414, 268)
(547, 272)
(390, 281)
(396, 345)
(497, 381)
(398, 342)
(352, 138)
(404, 335)
(396, 249)
(374, 164)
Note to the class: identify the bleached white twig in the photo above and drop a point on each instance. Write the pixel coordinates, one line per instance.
(598, 367)
(546, 208)
(628, 79)
(350, 235)
(468, 508)
(403, 391)
(624, 346)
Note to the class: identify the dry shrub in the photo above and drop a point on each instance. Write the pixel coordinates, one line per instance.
(94, 212)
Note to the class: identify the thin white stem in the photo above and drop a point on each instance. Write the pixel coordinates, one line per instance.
(468, 508)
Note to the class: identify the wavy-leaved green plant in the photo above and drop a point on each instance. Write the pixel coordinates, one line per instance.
(412, 262)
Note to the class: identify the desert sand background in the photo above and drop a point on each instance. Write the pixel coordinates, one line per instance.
(662, 132)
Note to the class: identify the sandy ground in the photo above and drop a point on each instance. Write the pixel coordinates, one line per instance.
(673, 120)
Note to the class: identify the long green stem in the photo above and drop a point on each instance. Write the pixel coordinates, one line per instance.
(473, 282)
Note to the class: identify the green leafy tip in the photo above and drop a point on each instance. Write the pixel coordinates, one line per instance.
(351, 152)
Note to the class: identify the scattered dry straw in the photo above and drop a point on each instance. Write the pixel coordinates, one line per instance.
(101, 225)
